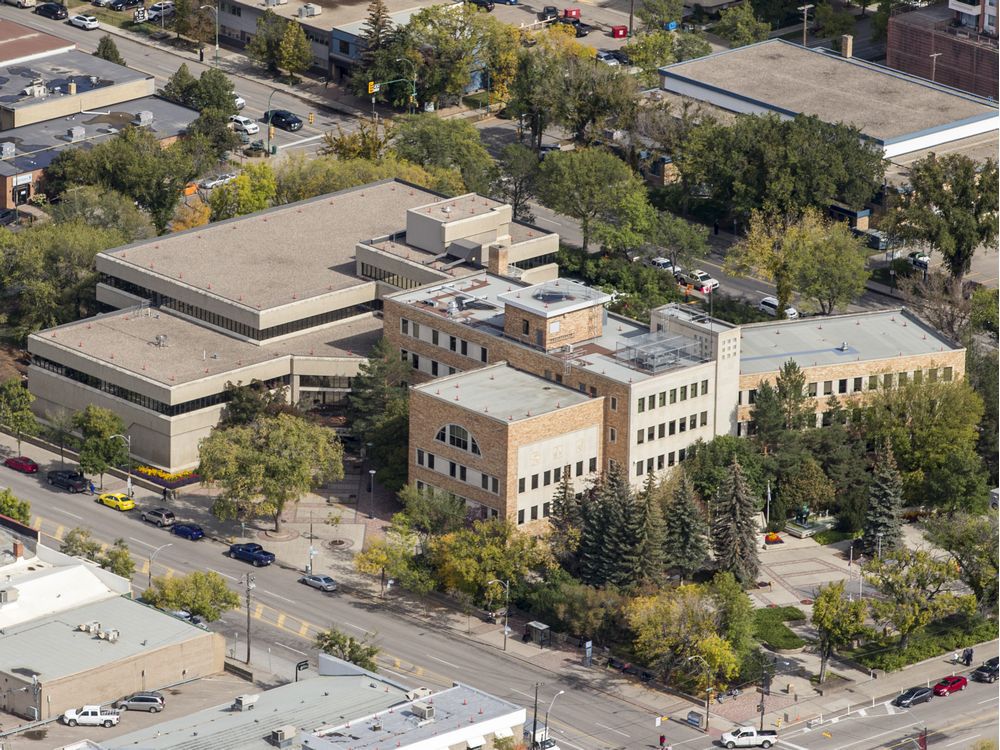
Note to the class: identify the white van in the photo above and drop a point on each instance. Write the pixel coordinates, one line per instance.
(21, 3)
(769, 305)
(664, 264)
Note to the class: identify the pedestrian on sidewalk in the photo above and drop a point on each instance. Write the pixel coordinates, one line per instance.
(663, 741)
(92, 492)
(164, 494)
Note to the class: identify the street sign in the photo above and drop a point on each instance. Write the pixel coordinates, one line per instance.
(139, 16)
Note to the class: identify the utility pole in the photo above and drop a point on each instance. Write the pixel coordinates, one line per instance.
(805, 23)
(249, 579)
(534, 723)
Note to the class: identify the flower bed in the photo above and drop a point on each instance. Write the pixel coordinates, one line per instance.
(166, 479)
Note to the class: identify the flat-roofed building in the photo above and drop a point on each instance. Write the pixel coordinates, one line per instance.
(20, 44)
(846, 356)
(286, 296)
(899, 112)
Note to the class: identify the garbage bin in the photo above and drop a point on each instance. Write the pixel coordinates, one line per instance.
(274, 149)
(619, 32)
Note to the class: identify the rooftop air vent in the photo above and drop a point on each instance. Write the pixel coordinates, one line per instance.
(76, 133)
(422, 710)
(143, 118)
(7, 150)
(283, 736)
(843, 347)
(8, 595)
(161, 340)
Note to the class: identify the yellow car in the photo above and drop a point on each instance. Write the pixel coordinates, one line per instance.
(117, 500)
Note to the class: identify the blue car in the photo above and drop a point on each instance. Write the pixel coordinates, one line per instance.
(188, 531)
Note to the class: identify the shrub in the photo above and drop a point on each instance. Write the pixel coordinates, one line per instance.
(770, 628)
(832, 536)
(941, 637)
(166, 479)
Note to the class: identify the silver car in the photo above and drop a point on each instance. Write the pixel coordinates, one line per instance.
(323, 583)
(146, 701)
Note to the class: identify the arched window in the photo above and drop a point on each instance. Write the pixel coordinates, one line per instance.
(459, 437)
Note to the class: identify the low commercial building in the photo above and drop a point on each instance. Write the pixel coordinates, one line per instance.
(73, 635)
(345, 707)
(288, 296)
(901, 113)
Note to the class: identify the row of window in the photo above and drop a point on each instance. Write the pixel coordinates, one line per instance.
(485, 510)
(170, 410)
(445, 341)
(662, 461)
(672, 396)
(432, 366)
(456, 471)
(857, 385)
(339, 382)
(674, 426)
(554, 476)
(533, 510)
(368, 271)
(158, 299)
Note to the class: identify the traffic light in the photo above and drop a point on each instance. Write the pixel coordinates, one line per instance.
(371, 87)
(270, 132)
(312, 118)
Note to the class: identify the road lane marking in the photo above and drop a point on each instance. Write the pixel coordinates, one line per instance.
(37, 525)
(281, 621)
(794, 747)
(304, 629)
(618, 731)
(294, 650)
(872, 737)
(862, 712)
(64, 512)
(989, 700)
(526, 695)
(356, 627)
(277, 596)
(224, 575)
(548, 221)
(139, 541)
(59, 532)
(964, 739)
(258, 612)
(453, 666)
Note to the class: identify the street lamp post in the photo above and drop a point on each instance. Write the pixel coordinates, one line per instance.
(216, 12)
(546, 730)
(506, 606)
(250, 586)
(805, 23)
(270, 114)
(413, 83)
(127, 439)
(371, 493)
(152, 557)
(708, 687)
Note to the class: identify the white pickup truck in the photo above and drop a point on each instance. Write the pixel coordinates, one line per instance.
(92, 716)
(749, 737)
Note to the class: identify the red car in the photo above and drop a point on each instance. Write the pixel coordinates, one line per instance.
(22, 464)
(950, 685)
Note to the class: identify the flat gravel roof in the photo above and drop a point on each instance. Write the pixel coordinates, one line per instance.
(883, 103)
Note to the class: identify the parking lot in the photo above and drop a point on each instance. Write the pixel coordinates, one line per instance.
(602, 18)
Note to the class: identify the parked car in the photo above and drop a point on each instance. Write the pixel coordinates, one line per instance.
(282, 118)
(21, 3)
(54, 11)
(190, 531)
(486, 5)
(749, 737)
(549, 13)
(71, 481)
(769, 305)
(581, 29)
(913, 696)
(251, 553)
(323, 583)
(160, 516)
(145, 701)
(987, 672)
(8, 216)
(621, 57)
(665, 264)
(243, 124)
(213, 182)
(698, 279)
(239, 101)
(22, 464)
(91, 716)
(117, 500)
(607, 57)
(950, 685)
(919, 260)
(90, 23)
(183, 614)
(123, 4)
(161, 10)
(548, 148)
(873, 238)
(101, 3)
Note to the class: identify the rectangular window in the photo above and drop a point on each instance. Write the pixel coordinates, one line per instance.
(614, 403)
(546, 508)
(416, 361)
(671, 459)
(452, 468)
(682, 424)
(593, 392)
(704, 387)
(434, 336)
(673, 395)
(680, 455)
(827, 387)
(858, 383)
(484, 481)
(947, 374)
(483, 354)
(547, 478)
(525, 328)
(932, 374)
(642, 405)
(557, 474)
(461, 472)
(640, 436)
(901, 378)
(582, 387)
(813, 389)
(918, 376)
(520, 484)
(661, 430)
(842, 385)
(663, 398)
(593, 464)
(651, 433)
(704, 418)
(430, 460)
(673, 426)
(495, 485)
(579, 468)
(752, 396)
(465, 348)
(639, 466)
(827, 419)
(453, 343)
(649, 465)
(660, 460)
(684, 393)
(694, 390)
(534, 481)
(404, 324)
(887, 380)
(534, 512)
(872, 382)
(420, 457)
(520, 516)
(739, 398)
(612, 435)
(434, 367)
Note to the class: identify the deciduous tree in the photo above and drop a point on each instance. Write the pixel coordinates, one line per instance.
(707, 464)
(445, 144)
(248, 403)
(348, 648)
(838, 621)
(677, 238)
(971, 540)
(432, 512)
(395, 558)
(106, 209)
(180, 87)
(264, 47)
(952, 207)
(739, 26)
(734, 527)
(79, 542)
(515, 177)
(15, 409)
(294, 52)
(118, 559)
(260, 468)
(204, 594)
(649, 52)
(656, 14)
(254, 189)
(13, 507)
(916, 590)
(832, 271)
(99, 452)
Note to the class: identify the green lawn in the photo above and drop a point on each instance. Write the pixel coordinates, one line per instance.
(938, 638)
(832, 536)
(770, 628)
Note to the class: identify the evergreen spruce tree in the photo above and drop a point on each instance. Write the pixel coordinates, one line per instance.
(621, 550)
(565, 521)
(685, 547)
(376, 32)
(884, 504)
(734, 527)
(592, 555)
(376, 388)
(181, 87)
(649, 534)
(108, 50)
(790, 386)
(767, 416)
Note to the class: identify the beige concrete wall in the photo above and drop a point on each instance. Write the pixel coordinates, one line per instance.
(425, 230)
(393, 264)
(542, 244)
(494, 223)
(547, 452)
(538, 274)
(53, 107)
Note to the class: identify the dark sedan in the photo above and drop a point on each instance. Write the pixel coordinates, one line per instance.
(123, 4)
(52, 10)
(913, 696)
(22, 464)
(190, 531)
(987, 672)
(579, 27)
(282, 118)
